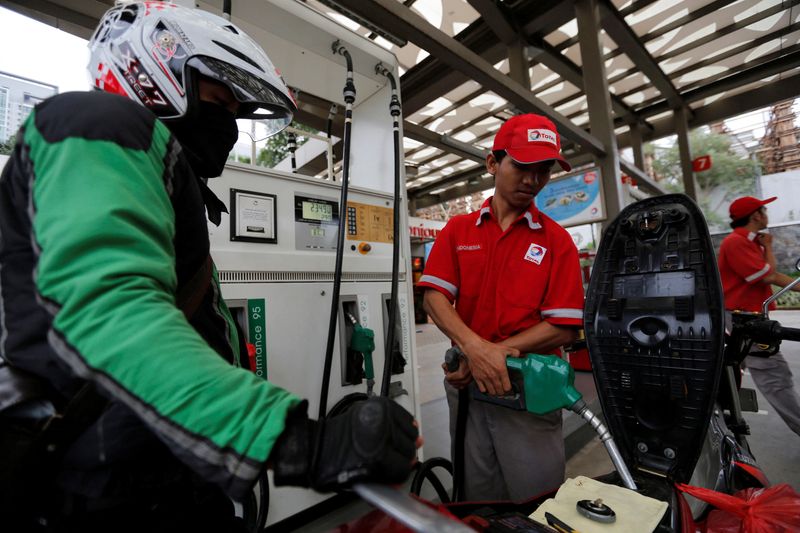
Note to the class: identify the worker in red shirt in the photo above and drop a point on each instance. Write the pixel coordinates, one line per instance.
(505, 281)
(747, 269)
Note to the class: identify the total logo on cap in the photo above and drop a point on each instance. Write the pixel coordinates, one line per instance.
(542, 136)
(530, 139)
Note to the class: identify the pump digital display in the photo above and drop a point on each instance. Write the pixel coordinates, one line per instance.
(317, 211)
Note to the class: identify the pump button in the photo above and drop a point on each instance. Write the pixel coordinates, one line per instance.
(364, 248)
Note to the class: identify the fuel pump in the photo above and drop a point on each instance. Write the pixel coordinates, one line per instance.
(408, 511)
(361, 338)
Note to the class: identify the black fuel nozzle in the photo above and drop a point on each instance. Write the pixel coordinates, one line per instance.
(452, 358)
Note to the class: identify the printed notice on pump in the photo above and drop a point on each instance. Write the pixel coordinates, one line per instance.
(371, 223)
(254, 216)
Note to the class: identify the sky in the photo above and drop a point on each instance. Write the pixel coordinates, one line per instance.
(44, 54)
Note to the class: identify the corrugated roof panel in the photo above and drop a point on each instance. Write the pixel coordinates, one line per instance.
(449, 16)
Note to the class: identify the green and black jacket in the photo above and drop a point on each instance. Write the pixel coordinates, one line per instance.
(102, 222)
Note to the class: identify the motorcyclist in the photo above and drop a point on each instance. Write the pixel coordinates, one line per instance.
(127, 407)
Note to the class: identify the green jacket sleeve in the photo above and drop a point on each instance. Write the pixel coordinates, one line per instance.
(103, 223)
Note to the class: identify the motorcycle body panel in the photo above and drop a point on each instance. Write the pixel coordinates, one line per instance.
(654, 324)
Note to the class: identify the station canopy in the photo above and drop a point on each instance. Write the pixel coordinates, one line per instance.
(468, 65)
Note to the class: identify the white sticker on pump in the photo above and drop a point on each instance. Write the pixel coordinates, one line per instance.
(402, 304)
(363, 310)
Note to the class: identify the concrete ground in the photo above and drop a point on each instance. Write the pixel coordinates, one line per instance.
(776, 447)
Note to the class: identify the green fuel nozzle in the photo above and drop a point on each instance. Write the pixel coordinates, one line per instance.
(543, 384)
(369, 370)
(548, 382)
(363, 340)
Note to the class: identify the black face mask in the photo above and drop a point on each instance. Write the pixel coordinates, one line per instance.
(207, 134)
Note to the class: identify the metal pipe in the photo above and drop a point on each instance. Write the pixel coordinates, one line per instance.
(605, 436)
(413, 514)
(784, 290)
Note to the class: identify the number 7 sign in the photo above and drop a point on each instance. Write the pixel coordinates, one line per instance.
(701, 163)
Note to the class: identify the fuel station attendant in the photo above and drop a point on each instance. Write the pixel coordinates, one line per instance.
(747, 270)
(501, 282)
(123, 404)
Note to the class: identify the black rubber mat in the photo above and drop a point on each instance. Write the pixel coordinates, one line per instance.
(654, 323)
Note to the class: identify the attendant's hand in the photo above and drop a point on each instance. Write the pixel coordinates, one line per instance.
(487, 361)
(765, 240)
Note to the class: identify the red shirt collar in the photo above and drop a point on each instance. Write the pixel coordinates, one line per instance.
(531, 215)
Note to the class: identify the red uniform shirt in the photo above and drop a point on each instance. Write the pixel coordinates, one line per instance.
(742, 267)
(505, 282)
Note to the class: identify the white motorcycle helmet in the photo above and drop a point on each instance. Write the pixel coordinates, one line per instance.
(150, 52)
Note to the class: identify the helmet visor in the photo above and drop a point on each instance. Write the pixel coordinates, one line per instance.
(260, 100)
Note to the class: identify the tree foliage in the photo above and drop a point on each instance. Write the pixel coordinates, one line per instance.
(8, 145)
(731, 175)
(276, 148)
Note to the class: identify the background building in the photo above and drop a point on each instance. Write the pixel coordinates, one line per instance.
(18, 95)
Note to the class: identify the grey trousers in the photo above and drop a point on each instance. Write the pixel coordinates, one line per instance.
(773, 378)
(508, 455)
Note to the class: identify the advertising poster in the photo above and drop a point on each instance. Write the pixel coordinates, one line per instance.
(573, 200)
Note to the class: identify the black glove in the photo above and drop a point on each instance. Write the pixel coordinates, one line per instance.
(374, 440)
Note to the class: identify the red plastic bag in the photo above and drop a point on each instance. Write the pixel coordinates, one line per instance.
(755, 510)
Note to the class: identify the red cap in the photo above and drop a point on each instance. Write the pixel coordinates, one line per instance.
(747, 205)
(530, 139)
